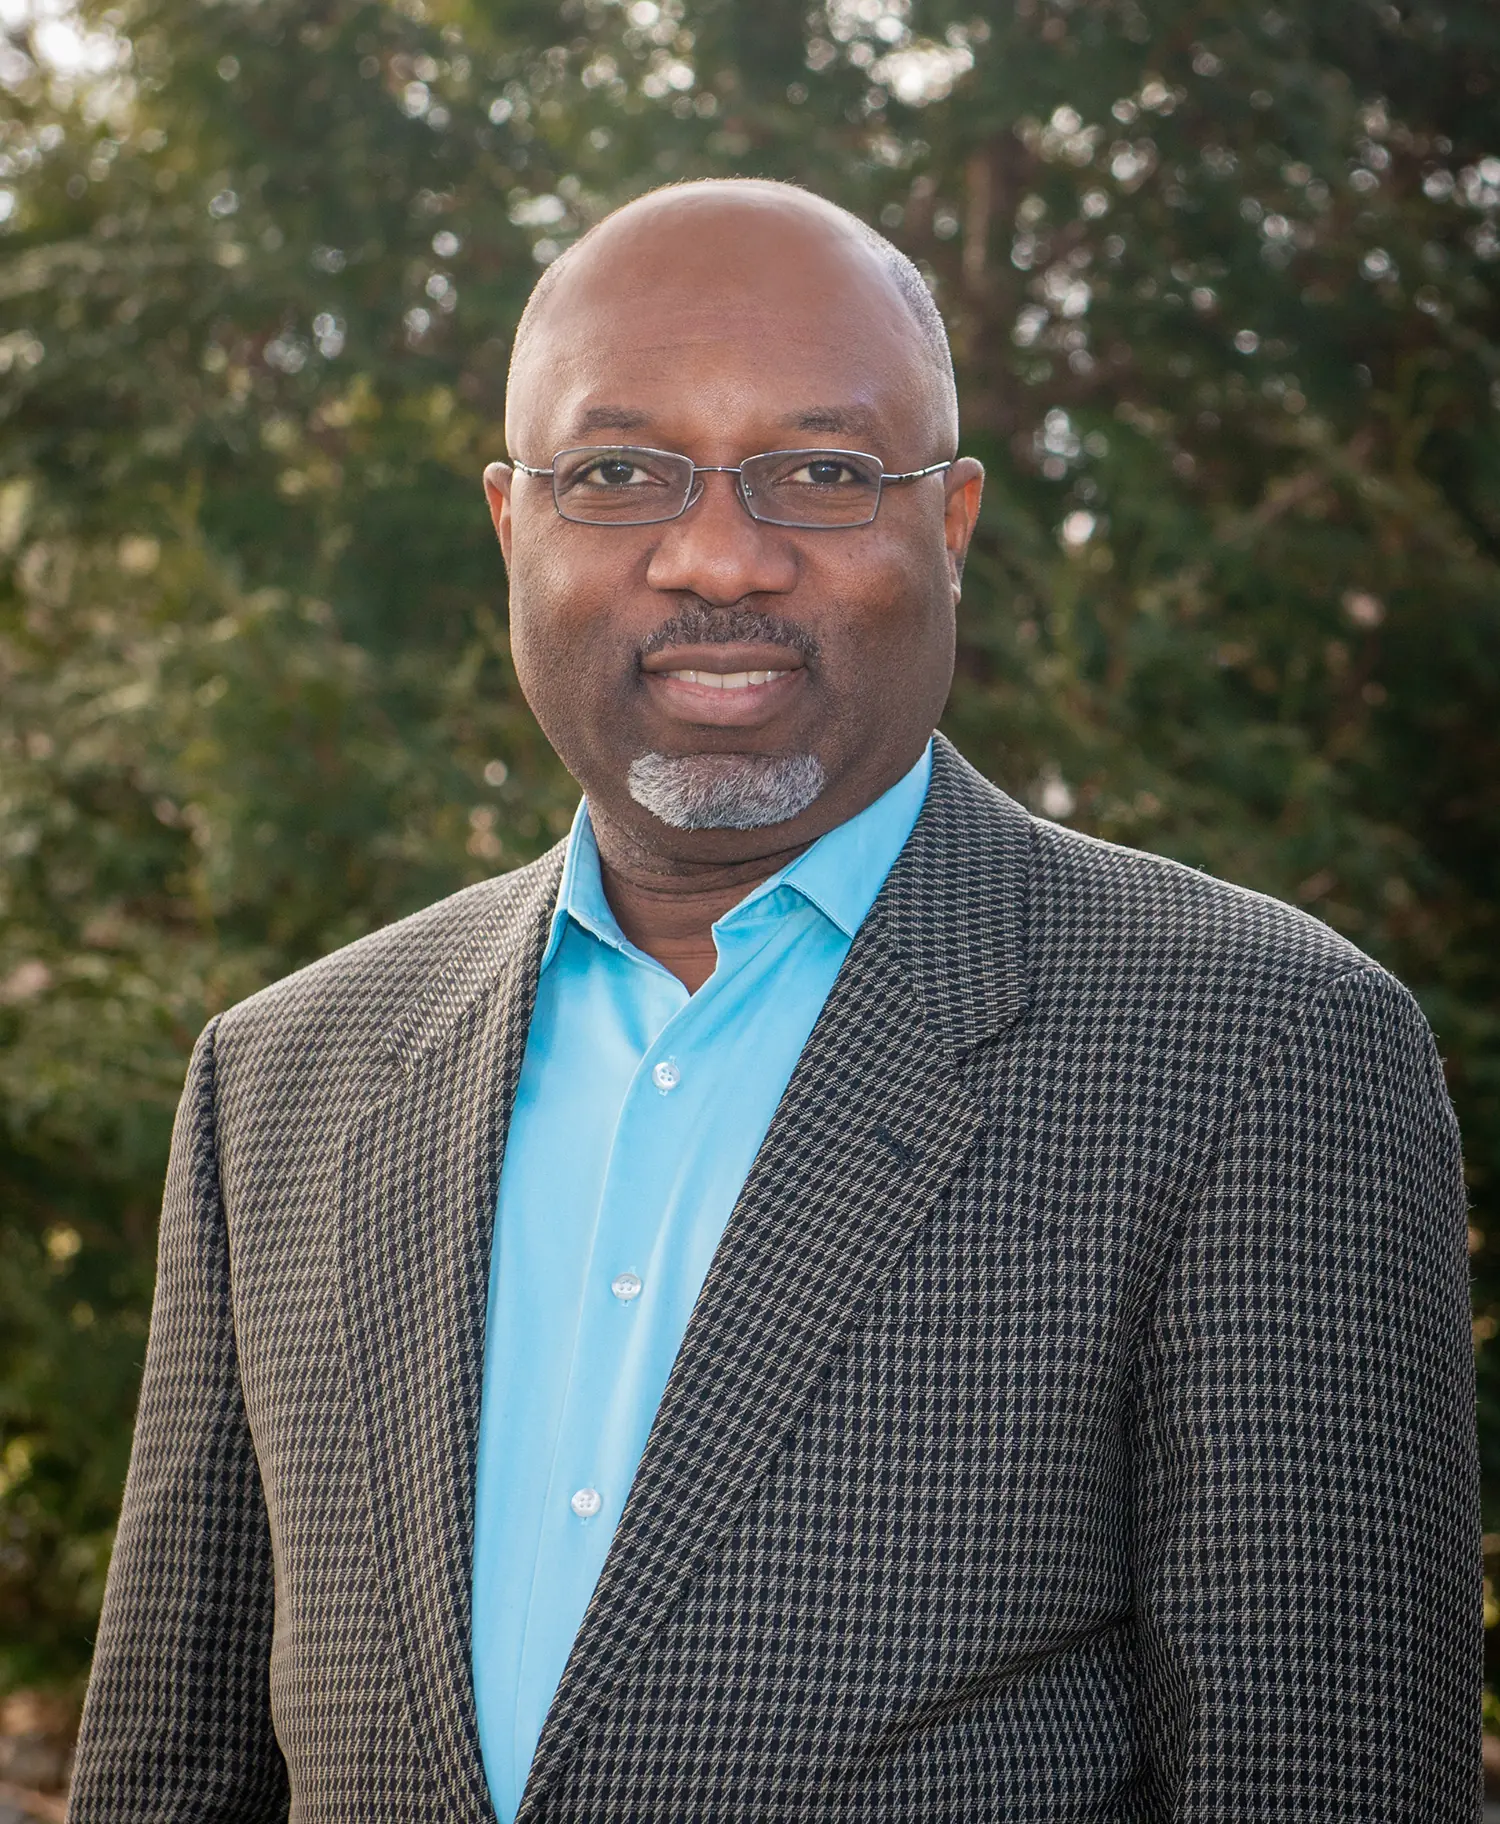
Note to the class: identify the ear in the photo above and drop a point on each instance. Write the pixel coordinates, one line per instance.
(965, 484)
(497, 482)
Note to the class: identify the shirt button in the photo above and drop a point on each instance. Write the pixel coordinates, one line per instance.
(626, 1286)
(586, 1502)
(666, 1076)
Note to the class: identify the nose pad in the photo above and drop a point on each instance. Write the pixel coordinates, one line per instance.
(737, 479)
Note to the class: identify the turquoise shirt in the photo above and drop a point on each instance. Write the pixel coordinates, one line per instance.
(638, 1115)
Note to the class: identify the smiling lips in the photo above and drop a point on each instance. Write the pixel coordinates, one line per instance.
(744, 684)
(726, 680)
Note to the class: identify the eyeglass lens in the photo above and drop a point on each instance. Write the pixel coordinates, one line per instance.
(625, 486)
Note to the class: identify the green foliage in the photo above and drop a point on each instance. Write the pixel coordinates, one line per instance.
(1223, 293)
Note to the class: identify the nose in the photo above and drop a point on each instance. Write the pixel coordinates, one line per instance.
(717, 552)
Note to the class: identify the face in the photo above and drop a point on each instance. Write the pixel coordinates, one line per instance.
(720, 329)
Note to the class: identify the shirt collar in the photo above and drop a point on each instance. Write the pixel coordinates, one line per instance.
(580, 892)
(841, 874)
(844, 870)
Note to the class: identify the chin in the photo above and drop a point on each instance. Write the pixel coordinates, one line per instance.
(726, 791)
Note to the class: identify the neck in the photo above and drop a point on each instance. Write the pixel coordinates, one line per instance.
(670, 912)
(667, 895)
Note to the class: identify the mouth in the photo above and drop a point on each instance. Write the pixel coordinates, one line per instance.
(737, 686)
(726, 680)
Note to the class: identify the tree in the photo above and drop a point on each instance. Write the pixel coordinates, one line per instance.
(1222, 291)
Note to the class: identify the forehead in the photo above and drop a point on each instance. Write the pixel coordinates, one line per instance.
(751, 328)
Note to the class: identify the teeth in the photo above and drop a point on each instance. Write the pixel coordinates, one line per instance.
(727, 680)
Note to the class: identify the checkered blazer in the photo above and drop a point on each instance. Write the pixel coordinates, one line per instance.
(1077, 1421)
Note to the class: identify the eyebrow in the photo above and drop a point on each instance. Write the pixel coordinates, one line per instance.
(613, 418)
(835, 420)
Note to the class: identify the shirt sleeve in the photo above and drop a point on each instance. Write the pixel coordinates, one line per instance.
(1306, 1500)
(177, 1723)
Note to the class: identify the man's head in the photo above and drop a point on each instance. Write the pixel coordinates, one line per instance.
(719, 321)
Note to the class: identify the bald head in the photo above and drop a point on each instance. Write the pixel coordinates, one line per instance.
(734, 246)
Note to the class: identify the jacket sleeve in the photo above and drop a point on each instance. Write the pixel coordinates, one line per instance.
(1306, 1526)
(177, 1724)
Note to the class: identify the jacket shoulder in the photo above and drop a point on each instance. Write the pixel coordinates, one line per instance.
(1144, 916)
(361, 990)
(997, 912)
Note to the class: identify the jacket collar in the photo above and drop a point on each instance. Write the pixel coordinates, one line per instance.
(505, 922)
(955, 905)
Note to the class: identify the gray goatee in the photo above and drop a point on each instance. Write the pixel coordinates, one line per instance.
(725, 791)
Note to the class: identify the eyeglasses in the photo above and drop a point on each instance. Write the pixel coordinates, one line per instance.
(814, 490)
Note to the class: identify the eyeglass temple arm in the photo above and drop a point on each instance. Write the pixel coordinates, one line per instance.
(935, 468)
(526, 468)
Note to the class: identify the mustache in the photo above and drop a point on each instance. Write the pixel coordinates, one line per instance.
(702, 624)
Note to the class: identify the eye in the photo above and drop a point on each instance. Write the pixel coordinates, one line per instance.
(827, 472)
(614, 472)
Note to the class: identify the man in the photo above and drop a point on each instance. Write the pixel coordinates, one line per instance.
(825, 1297)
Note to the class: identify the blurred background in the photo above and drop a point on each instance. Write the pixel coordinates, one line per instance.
(1222, 286)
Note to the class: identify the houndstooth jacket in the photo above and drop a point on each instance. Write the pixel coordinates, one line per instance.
(1077, 1421)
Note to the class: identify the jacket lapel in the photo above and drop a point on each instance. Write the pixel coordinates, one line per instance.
(417, 1201)
(872, 1128)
